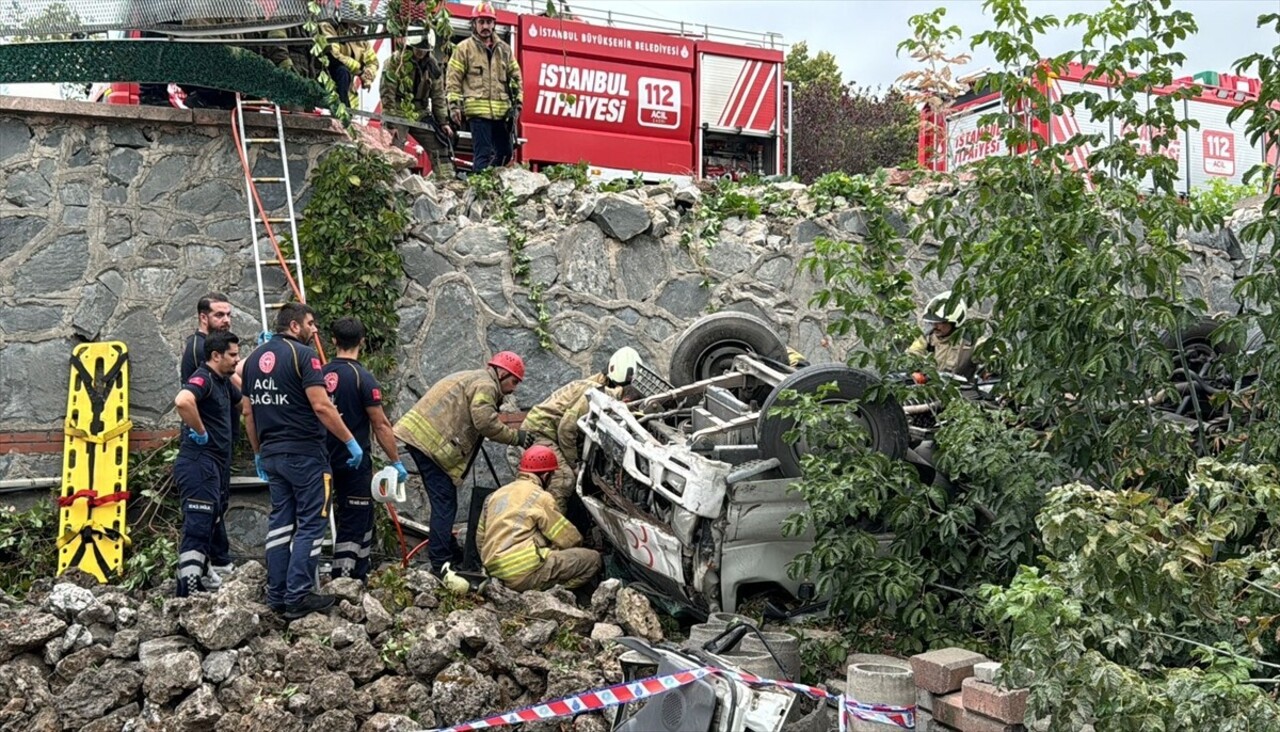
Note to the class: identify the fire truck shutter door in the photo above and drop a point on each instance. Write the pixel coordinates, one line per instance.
(738, 95)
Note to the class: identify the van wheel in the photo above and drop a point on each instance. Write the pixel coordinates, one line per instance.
(707, 348)
(884, 421)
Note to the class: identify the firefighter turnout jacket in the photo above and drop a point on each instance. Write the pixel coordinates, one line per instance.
(358, 56)
(483, 80)
(519, 528)
(556, 419)
(951, 354)
(421, 83)
(448, 422)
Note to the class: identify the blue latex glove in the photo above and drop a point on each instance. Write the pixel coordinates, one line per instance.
(401, 473)
(357, 455)
(257, 464)
(264, 336)
(200, 438)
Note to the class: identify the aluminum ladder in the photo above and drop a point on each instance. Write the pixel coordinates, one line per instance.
(262, 229)
(266, 247)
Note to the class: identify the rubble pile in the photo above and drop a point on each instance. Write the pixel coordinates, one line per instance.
(403, 655)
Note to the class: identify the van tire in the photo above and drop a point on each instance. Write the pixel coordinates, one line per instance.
(885, 421)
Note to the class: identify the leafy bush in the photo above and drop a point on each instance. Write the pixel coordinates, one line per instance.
(28, 545)
(1216, 199)
(848, 129)
(350, 231)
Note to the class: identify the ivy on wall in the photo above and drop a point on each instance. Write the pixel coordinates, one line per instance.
(349, 233)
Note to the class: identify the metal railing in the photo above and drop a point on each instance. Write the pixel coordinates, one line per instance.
(702, 31)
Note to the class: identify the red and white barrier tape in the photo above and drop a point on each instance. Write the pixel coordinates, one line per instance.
(612, 696)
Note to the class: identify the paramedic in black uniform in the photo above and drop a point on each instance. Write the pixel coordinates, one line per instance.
(289, 412)
(213, 315)
(358, 398)
(207, 404)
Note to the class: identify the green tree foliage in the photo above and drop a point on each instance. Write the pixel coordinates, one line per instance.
(1140, 594)
(801, 69)
(349, 231)
(850, 130)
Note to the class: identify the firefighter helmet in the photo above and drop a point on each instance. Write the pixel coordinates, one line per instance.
(937, 310)
(539, 459)
(509, 362)
(485, 10)
(623, 365)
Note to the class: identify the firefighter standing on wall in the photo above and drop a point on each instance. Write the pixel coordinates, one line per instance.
(443, 432)
(524, 540)
(554, 422)
(483, 84)
(349, 60)
(415, 74)
(358, 398)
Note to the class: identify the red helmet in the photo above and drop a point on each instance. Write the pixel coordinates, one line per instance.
(539, 459)
(510, 362)
(485, 10)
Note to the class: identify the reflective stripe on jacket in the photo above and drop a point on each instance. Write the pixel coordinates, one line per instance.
(358, 56)
(483, 80)
(518, 528)
(449, 420)
(544, 420)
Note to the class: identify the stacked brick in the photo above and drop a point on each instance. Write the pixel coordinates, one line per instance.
(955, 690)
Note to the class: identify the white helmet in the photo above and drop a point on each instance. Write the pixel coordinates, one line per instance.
(623, 365)
(937, 311)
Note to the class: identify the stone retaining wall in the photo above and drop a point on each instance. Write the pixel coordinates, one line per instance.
(114, 220)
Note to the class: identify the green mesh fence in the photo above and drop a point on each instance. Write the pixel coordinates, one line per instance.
(196, 64)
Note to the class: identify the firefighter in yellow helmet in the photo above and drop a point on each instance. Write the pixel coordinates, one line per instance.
(950, 350)
(483, 85)
(524, 540)
(554, 423)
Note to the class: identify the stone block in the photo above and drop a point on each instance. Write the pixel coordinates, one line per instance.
(1006, 705)
(986, 671)
(942, 671)
(949, 710)
(925, 700)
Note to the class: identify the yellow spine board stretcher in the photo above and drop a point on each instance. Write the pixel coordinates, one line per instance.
(95, 462)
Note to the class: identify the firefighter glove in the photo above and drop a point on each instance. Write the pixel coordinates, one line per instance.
(257, 465)
(287, 64)
(200, 438)
(357, 454)
(367, 75)
(455, 114)
(401, 474)
(524, 439)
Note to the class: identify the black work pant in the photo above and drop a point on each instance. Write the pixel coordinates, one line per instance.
(490, 143)
(200, 480)
(443, 496)
(353, 516)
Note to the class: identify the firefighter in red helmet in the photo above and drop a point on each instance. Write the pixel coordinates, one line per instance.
(482, 85)
(524, 540)
(444, 431)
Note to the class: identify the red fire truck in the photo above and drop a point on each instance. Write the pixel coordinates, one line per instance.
(628, 94)
(1215, 150)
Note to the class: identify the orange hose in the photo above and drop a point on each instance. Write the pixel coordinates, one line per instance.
(271, 235)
